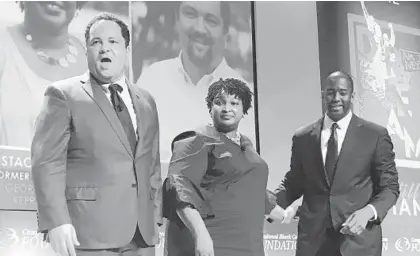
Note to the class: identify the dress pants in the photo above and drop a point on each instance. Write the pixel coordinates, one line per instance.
(331, 243)
(137, 247)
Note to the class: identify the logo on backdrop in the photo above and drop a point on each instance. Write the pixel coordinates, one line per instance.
(13, 238)
(405, 244)
(280, 242)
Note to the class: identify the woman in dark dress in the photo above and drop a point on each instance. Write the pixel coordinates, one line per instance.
(215, 194)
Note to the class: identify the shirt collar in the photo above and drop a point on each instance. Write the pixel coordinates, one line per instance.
(343, 123)
(121, 82)
(220, 68)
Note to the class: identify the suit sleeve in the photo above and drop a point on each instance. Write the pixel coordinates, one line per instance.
(156, 175)
(384, 176)
(291, 187)
(49, 158)
(270, 201)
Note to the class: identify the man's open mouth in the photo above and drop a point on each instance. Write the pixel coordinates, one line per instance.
(106, 60)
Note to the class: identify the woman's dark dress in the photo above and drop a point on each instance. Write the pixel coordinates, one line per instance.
(226, 183)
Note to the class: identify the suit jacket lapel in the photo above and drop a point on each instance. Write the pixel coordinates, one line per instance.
(316, 142)
(135, 99)
(349, 144)
(142, 116)
(95, 92)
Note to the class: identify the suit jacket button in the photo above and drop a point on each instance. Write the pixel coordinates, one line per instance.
(134, 185)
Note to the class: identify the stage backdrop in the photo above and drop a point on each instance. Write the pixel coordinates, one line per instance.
(286, 34)
(388, 93)
(378, 43)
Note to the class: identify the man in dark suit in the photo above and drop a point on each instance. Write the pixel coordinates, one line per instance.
(95, 155)
(344, 168)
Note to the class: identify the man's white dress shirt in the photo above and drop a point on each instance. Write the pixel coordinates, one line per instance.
(125, 96)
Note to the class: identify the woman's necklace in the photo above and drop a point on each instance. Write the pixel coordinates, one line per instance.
(236, 139)
(64, 61)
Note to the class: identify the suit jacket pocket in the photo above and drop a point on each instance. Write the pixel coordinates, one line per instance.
(81, 193)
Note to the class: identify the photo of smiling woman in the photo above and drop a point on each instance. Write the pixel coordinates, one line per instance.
(33, 54)
(215, 197)
(42, 45)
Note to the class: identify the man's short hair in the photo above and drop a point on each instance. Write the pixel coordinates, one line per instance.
(341, 74)
(108, 16)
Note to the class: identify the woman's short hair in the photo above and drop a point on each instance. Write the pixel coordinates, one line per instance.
(231, 86)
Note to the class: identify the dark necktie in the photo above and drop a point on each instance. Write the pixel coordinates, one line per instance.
(332, 153)
(123, 114)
